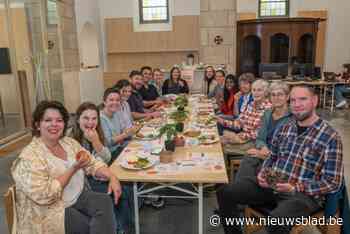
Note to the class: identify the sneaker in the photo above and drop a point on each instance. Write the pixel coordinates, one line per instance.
(158, 203)
(341, 104)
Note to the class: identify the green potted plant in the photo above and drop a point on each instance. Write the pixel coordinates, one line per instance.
(179, 116)
(170, 133)
(181, 101)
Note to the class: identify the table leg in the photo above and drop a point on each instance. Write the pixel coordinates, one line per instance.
(136, 209)
(324, 95)
(200, 208)
(332, 101)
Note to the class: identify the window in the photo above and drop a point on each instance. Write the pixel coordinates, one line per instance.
(154, 11)
(273, 8)
(52, 15)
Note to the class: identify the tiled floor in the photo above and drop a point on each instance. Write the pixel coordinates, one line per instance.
(180, 216)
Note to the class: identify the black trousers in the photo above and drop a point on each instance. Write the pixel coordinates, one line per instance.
(91, 214)
(244, 190)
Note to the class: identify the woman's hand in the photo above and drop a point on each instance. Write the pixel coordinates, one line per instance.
(82, 160)
(91, 135)
(115, 187)
(220, 120)
(237, 124)
(265, 152)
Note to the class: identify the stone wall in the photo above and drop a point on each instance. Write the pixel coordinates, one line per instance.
(218, 18)
(69, 38)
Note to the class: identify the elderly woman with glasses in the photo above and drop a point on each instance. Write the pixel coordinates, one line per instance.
(249, 121)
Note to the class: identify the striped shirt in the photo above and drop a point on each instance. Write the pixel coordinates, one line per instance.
(250, 119)
(312, 161)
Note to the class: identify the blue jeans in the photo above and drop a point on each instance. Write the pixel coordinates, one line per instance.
(339, 91)
(124, 210)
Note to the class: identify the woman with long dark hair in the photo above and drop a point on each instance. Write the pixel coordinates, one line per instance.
(175, 85)
(209, 78)
(230, 89)
(88, 132)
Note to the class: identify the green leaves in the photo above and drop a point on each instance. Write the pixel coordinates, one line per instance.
(169, 130)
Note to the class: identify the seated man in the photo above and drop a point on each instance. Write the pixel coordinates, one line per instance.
(135, 100)
(340, 90)
(306, 153)
(148, 91)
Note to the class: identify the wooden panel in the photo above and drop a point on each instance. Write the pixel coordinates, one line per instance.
(246, 15)
(111, 78)
(121, 38)
(126, 62)
(321, 34)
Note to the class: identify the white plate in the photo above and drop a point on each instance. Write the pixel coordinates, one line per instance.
(152, 160)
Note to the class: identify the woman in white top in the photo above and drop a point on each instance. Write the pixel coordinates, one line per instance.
(49, 176)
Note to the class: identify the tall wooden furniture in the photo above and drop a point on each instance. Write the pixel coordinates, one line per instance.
(275, 41)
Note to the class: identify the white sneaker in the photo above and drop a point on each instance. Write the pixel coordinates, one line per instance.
(341, 104)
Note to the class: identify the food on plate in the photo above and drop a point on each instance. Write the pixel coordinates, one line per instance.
(141, 163)
(206, 121)
(208, 139)
(192, 133)
(137, 162)
(132, 159)
(140, 135)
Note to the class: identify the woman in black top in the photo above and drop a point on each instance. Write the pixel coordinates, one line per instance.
(175, 85)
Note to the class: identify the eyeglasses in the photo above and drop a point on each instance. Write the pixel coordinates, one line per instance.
(277, 94)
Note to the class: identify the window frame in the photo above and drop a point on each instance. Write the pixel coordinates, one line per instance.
(287, 12)
(141, 19)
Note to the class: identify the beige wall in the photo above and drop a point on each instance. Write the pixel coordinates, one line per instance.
(8, 89)
(128, 50)
(218, 18)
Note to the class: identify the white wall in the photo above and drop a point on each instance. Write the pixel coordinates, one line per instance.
(337, 49)
(88, 11)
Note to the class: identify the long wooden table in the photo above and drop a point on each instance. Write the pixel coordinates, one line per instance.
(209, 167)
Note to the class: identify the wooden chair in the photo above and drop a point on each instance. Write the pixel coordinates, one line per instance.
(251, 212)
(10, 208)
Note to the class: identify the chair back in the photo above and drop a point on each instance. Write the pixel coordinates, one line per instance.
(10, 209)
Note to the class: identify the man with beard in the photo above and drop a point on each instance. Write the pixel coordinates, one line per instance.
(138, 111)
(305, 164)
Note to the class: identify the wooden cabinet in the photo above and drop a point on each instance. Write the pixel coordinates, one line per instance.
(275, 41)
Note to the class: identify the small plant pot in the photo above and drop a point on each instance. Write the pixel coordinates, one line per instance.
(180, 141)
(179, 127)
(181, 108)
(169, 145)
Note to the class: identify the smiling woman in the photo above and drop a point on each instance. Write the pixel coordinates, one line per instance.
(50, 186)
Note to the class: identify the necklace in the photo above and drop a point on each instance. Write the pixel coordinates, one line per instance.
(58, 151)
